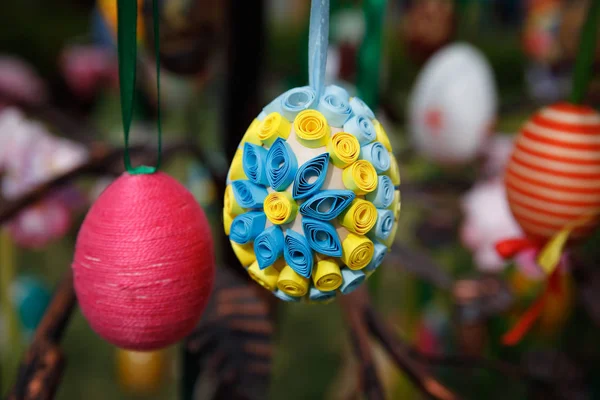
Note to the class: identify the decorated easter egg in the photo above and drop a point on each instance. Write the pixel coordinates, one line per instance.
(30, 298)
(452, 107)
(312, 201)
(144, 264)
(553, 175)
(141, 372)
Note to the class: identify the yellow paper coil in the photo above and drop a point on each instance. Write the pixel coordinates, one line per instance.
(236, 171)
(360, 177)
(344, 149)
(291, 283)
(394, 171)
(227, 221)
(360, 217)
(357, 251)
(231, 205)
(244, 252)
(327, 276)
(280, 208)
(266, 278)
(272, 127)
(251, 135)
(382, 136)
(396, 204)
(311, 129)
(390, 240)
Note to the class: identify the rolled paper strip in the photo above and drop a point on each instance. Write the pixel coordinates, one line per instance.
(382, 135)
(231, 205)
(322, 237)
(285, 297)
(296, 100)
(344, 149)
(280, 208)
(394, 171)
(261, 116)
(378, 256)
(362, 128)
(383, 195)
(377, 155)
(390, 240)
(357, 251)
(360, 217)
(396, 205)
(244, 253)
(274, 106)
(227, 221)
(335, 109)
(266, 278)
(248, 194)
(327, 275)
(268, 246)
(383, 227)
(281, 165)
(327, 204)
(337, 91)
(246, 227)
(254, 162)
(310, 176)
(297, 253)
(312, 129)
(251, 135)
(291, 283)
(352, 280)
(360, 177)
(316, 295)
(359, 107)
(272, 127)
(236, 170)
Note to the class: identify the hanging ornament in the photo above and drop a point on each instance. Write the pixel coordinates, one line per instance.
(30, 298)
(452, 108)
(312, 201)
(143, 266)
(108, 23)
(141, 373)
(540, 33)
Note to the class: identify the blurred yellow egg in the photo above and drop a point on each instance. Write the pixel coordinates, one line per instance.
(141, 372)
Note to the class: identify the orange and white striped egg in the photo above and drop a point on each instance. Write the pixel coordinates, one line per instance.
(553, 175)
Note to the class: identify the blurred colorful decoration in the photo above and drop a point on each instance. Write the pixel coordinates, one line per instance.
(540, 32)
(453, 105)
(428, 26)
(30, 156)
(31, 298)
(89, 68)
(141, 373)
(201, 185)
(20, 84)
(573, 17)
(107, 10)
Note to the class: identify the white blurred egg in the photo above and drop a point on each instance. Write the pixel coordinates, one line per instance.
(452, 107)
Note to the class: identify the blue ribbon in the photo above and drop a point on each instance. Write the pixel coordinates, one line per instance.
(362, 128)
(378, 256)
(359, 107)
(377, 155)
(248, 194)
(268, 246)
(245, 227)
(285, 297)
(383, 226)
(383, 195)
(335, 109)
(314, 170)
(338, 91)
(295, 100)
(322, 237)
(281, 165)
(316, 295)
(318, 41)
(297, 253)
(352, 280)
(254, 159)
(327, 204)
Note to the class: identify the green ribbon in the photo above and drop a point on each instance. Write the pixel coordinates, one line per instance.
(586, 54)
(127, 48)
(369, 56)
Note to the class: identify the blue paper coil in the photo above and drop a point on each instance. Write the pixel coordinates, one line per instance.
(362, 128)
(281, 165)
(335, 109)
(246, 227)
(268, 246)
(327, 204)
(322, 237)
(248, 194)
(310, 176)
(254, 160)
(285, 297)
(377, 155)
(316, 295)
(338, 91)
(383, 195)
(295, 100)
(297, 253)
(352, 280)
(359, 107)
(378, 256)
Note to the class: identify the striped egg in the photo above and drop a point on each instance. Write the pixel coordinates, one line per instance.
(553, 175)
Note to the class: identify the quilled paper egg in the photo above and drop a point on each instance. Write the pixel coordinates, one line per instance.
(312, 201)
(553, 176)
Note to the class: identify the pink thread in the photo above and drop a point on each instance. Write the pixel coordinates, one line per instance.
(144, 262)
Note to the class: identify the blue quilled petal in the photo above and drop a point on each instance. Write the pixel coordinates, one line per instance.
(268, 246)
(310, 176)
(297, 253)
(245, 227)
(253, 160)
(327, 204)
(248, 194)
(316, 295)
(322, 237)
(281, 165)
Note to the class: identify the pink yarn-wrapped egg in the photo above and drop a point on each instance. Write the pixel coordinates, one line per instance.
(144, 263)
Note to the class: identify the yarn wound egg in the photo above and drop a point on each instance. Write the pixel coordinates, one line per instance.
(312, 200)
(552, 178)
(144, 262)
